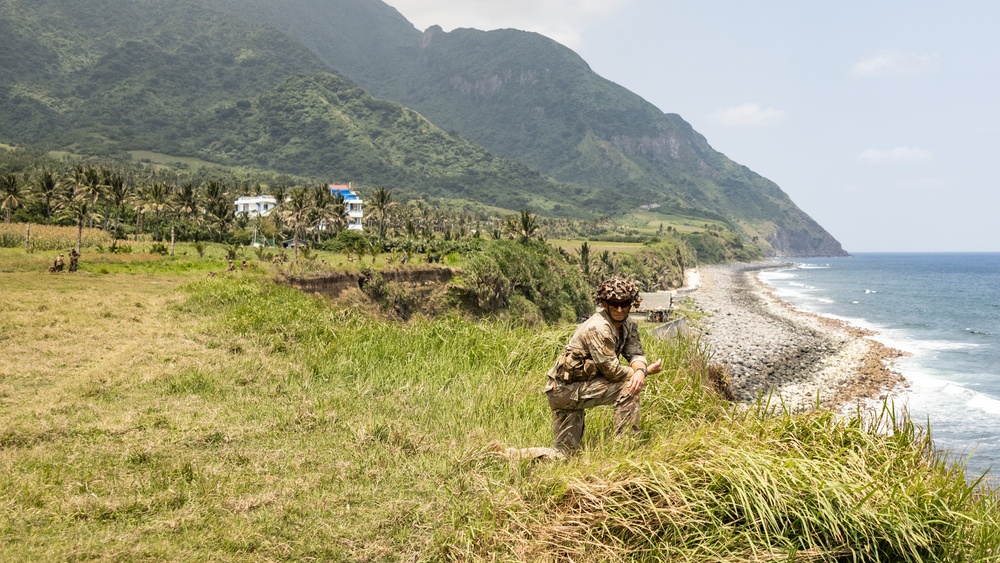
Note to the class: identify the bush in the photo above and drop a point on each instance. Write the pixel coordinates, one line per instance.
(347, 242)
(120, 248)
(534, 272)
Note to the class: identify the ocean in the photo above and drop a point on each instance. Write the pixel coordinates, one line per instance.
(944, 310)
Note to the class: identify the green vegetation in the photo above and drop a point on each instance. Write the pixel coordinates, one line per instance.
(173, 416)
(529, 280)
(115, 203)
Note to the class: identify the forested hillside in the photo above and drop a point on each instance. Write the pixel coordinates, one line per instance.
(506, 118)
(182, 79)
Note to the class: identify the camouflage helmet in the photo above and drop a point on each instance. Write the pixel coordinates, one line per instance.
(617, 288)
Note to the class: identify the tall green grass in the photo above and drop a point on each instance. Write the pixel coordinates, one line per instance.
(306, 431)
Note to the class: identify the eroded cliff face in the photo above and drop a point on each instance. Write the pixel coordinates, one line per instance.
(786, 243)
(756, 207)
(333, 284)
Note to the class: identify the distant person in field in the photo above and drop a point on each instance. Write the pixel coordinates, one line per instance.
(74, 259)
(588, 373)
(57, 264)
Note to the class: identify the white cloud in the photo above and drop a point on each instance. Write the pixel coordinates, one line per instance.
(561, 20)
(748, 115)
(898, 154)
(887, 62)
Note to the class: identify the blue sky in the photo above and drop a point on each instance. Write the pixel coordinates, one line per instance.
(879, 119)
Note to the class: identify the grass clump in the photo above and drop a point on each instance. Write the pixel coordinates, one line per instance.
(763, 487)
(231, 419)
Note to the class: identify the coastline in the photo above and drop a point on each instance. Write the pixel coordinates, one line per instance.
(769, 347)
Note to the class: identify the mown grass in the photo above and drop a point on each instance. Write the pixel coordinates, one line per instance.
(164, 416)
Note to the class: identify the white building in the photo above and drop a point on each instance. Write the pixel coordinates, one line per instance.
(353, 203)
(256, 205)
(263, 205)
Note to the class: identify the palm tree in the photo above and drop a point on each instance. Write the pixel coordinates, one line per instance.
(338, 212)
(10, 186)
(47, 192)
(296, 212)
(76, 201)
(77, 207)
(585, 260)
(156, 200)
(218, 207)
(119, 193)
(608, 261)
(280, 193)
(322, 209)
(93, 188)
(186, 205)
(380, 202)
(523, 227)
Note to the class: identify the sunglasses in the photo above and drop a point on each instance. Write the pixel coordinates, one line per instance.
(619, 304)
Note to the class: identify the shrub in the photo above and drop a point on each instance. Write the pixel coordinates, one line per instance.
(535, 272)
(120, 248)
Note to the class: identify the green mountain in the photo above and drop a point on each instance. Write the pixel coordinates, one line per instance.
(276, 86)
(181, 78)
(526, 97)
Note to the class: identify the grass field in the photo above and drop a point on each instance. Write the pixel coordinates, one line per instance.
(151, 412)
(648, 222)
(596, 246)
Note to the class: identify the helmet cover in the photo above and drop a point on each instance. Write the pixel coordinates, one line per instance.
(617, 288)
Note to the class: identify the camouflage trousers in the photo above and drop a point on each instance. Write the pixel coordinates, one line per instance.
(569, 402)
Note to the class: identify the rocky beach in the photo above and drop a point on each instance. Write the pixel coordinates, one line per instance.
(769, 347)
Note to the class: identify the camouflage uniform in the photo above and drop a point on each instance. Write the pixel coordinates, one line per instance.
(74, 259)
(588, 374)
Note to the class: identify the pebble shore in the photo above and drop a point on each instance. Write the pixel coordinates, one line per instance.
(769, 347)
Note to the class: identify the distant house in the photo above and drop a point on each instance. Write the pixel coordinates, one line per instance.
(256, 205)
(263, 205)
(295, 243)
(353, 203)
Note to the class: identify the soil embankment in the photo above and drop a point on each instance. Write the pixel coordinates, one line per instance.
(333, 284)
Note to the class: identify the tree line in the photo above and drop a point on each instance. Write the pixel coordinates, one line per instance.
(132, 202)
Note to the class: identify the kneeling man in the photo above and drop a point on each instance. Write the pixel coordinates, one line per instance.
(588, 373)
